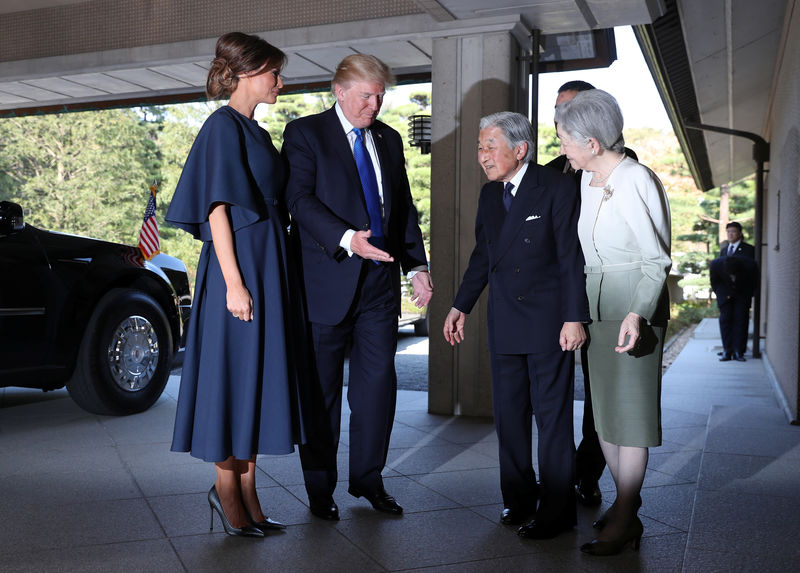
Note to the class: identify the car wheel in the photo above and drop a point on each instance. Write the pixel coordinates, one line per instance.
(421, 326)
(124, 358)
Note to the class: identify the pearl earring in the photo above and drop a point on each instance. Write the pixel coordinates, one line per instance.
(594, 152)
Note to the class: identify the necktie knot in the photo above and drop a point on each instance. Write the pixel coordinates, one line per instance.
(507, 196)
(730, 250)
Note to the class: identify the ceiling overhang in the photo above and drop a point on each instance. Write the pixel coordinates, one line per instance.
(96, 53)
(714, 64)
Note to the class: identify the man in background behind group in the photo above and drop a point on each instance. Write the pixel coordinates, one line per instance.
(733, 279)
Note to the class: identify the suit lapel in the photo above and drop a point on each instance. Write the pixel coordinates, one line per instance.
(521, 207)
(383, 159)
(334, 133)
(495, 212)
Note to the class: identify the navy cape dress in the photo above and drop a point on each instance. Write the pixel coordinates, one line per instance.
(239, 392)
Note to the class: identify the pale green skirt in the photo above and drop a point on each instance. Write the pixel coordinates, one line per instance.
(626, 388)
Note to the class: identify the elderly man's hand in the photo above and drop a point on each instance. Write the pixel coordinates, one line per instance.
(572, 336)
(422, 284)
(454, 326)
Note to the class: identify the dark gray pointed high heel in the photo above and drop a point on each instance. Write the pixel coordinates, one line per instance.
(216, 505)
(264, 525)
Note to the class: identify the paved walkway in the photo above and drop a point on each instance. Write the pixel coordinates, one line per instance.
(89, 493)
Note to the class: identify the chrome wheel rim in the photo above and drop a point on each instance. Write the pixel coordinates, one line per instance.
(133, 353)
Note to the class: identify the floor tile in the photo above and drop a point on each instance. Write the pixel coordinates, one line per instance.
(89, 523)
(308, 548)
(155, 556)
(429, 539)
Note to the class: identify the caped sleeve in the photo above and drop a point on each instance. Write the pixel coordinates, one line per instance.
(216, 171)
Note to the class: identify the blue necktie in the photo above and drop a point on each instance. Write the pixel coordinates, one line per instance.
(369, 183)
(507, 196)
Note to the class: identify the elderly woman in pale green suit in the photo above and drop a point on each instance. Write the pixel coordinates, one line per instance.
(624, 230)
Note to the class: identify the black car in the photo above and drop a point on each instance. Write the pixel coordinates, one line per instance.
(92, 315)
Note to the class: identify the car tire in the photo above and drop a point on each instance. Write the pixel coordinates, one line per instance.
(124, 359)
(421, 326)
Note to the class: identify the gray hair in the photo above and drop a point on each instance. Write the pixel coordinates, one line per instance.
(515, 127)
(593, 113)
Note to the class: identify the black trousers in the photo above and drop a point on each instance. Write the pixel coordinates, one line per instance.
(734, 317)
(589, 459)
(541, 386)
(370, 328)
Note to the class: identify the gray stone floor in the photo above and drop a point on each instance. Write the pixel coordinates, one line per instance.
(89, 493)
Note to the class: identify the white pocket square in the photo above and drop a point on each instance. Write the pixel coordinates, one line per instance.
(532, 217)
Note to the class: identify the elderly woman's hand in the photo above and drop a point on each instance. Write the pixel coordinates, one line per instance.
(628, 329)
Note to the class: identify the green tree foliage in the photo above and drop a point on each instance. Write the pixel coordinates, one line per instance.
(88, 173)
(548, 145)
(84, 173)
(695, 215)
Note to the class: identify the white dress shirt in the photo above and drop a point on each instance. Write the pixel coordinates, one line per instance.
(373, 154)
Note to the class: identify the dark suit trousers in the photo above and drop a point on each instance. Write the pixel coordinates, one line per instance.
(734, 318)
(371, 327)
(540, 384)
(589, 459)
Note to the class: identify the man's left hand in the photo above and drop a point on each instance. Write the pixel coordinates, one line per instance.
(572, 336)
(423, 288)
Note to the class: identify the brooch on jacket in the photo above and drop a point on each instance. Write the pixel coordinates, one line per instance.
(608, 191)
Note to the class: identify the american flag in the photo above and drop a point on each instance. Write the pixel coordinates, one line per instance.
(149, 242)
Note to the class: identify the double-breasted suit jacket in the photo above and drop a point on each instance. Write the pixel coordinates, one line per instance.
(531, 259)
(532, 262)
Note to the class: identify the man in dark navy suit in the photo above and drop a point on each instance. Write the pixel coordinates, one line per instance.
(734, 276)
(527, 251)
(355, 224)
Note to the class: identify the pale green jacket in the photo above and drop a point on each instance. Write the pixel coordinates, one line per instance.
(624, 230)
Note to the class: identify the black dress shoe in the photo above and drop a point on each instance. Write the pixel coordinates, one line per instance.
(543, 530)
(380, 500)
(588, 493)
(739, 358)
(326, 510)
(511, 516)
(725, 358)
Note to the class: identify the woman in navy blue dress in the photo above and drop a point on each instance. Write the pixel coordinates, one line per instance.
(239, 390)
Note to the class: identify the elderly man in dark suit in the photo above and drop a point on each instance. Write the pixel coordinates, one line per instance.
(734, 276)
(527, 251)
(355, 224)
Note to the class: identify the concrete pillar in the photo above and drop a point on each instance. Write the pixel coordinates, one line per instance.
(472, 76)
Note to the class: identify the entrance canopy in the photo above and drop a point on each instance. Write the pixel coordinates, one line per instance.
(67, 53)
(714, 62)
